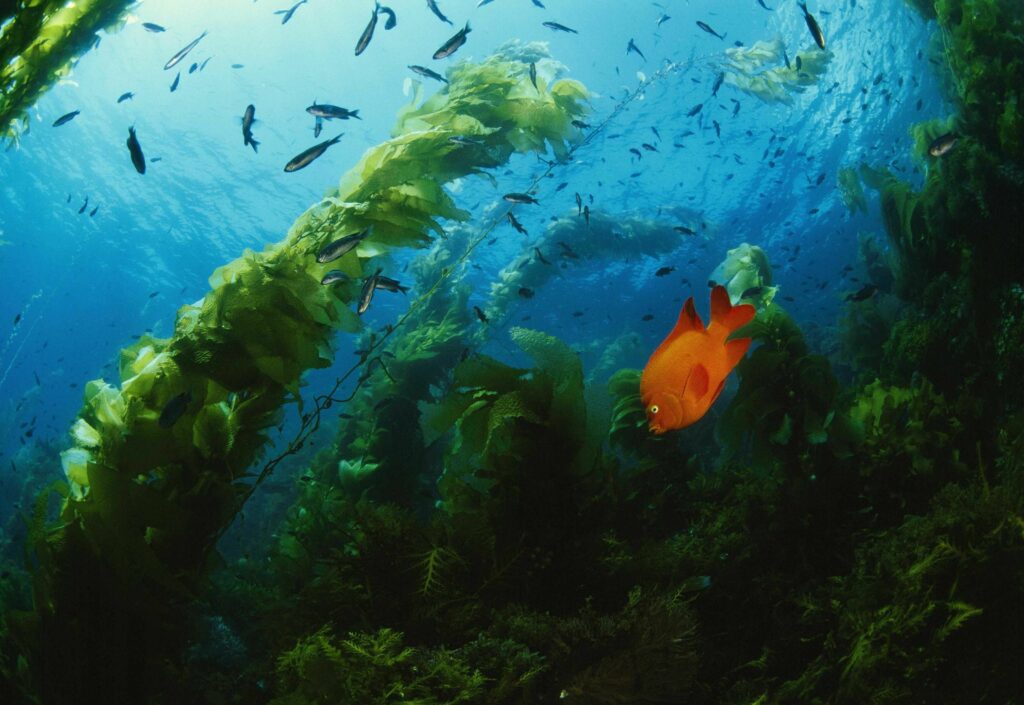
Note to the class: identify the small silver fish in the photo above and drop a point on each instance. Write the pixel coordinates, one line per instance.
(340, 247)
(424, 71)
(183, 52)
(330, 112)
(366, 295)
(519, 198)
(303, 159)
(367, 35)
(333, 276)
(453, 44)
(943, 145)
(389, 284)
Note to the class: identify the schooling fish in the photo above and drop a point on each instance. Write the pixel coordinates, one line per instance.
(153, 27)
(290, 11)
(125, 96)
(632, 47)
(427, 73)
(341, 246)
(695, 109)
(520, 198)
(174, 409)
(453, 44)
(389, 284)
(664, 271)
(174, 85)
(943, 145)
(93, 211)
(305, 158)
(366, 295)
(480, 314)
(812, 24)
(514, 222)
(318, 125)
(330, 112)
(863, 294)
(247, 120)
(183, 52)
(84, 206)
(559, 27)
(761, 3)
(533, 75)
(579, 204)
(333, 276)
(663, 19)
(66, 118)
(193, 67)
(135, 150)
(707, 28)
(367, 35)
(687, 372)
(437, 11)
(392, 20)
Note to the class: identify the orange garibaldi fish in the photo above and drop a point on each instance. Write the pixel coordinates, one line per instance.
(687, 372)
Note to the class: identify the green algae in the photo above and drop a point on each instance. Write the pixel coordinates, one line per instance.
(39, 45)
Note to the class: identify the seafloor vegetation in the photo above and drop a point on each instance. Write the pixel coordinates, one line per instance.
(852, 531)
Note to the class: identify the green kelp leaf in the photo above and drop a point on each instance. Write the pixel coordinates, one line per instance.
(437, 419)
(760, 70)
(505, 411)
(781, 437)
(212, 432)
(486, 372)
(852, 191)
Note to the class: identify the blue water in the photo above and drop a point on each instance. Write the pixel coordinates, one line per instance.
(84, 286)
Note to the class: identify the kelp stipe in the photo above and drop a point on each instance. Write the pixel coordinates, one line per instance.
(152, 491)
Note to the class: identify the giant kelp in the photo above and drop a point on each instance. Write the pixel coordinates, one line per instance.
(160, 463)
(39, 44)
(760, 70)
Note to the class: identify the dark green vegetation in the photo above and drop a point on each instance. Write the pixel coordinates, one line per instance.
(39, 44)
(485, 533)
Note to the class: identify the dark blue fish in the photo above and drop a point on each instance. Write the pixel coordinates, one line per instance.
(437, 11)
(125, 96)
(66, 118)
(174, 409)
(135, 150)
(559, 27)
(290, 11)
(707, 28)
(632, 47)
(153, 27)
(174, 85)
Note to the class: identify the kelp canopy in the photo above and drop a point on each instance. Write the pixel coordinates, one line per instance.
(40, 40)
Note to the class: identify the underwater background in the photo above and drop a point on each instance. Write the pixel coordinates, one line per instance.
(235, 468)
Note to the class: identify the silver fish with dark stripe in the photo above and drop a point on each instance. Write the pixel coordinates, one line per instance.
(340, 247)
